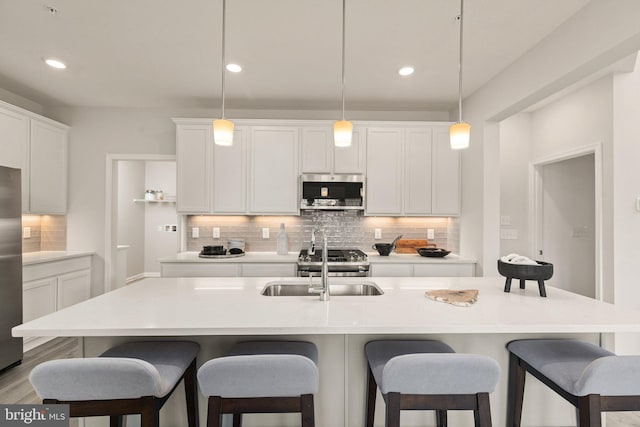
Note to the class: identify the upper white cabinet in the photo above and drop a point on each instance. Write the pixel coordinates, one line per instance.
(37, 146)
(412, 171)
(193, 168)
(230, 175)
(384, 171)
(48, 168)
(320, 155)
(273, 154)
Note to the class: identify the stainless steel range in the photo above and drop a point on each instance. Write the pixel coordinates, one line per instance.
(341, 262)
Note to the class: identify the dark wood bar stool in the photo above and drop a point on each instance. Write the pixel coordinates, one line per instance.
(591, 378)
(428, 375)
(132, 378)
(261, 377)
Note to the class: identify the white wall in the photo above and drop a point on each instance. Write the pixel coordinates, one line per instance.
(515, 156)
(131, 216)
(159, 243)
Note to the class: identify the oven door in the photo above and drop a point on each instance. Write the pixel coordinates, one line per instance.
(334, 271)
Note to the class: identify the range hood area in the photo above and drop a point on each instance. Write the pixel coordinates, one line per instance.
(332, 192)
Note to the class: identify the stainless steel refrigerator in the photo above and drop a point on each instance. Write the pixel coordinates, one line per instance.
(10, 266)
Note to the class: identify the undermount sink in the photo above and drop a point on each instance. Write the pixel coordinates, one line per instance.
(291, 289)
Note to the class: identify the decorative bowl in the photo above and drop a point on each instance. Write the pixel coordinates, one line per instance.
(433, 252)
(542, 271)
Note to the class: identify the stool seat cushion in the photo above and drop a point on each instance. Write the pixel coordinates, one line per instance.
(301, 348)
(128, 371)
(581, 368)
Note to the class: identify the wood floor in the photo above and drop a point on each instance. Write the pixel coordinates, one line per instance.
(15, 386)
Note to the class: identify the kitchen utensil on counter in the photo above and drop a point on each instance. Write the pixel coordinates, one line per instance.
(393, 244)
(383, 249)
(213, 250)
(236, 251)
(433, 252)
(409, 246)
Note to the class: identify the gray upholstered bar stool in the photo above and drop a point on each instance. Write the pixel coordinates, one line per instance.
(132, 378)
(261, 377)
(428, 375)
(589, 377)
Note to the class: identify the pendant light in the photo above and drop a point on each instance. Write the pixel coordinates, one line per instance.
(223, 128)
(459, 132)
(342, 129)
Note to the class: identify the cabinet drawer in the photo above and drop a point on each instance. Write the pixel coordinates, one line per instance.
(444, 270)
(187, 269)
(55, 268)
(392, 270)
(269, 270)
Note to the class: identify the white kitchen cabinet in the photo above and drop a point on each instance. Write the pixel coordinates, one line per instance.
(37, 146)
(384, 171)
(230, 175)
(268, 269)
(320, 155)
(423, 269)
(14, 146)
(391, 270)
(54, 285)
(48, 166)
(273, 184)
(193, 169)
(417, 171)
(201, 269)
(445, 175)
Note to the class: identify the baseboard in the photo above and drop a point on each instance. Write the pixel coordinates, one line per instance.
(141, 276)
(33, 342)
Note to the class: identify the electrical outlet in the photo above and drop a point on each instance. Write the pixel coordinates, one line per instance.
(505, 220)
(431, 234)
(26, 233)
(216, 232)
(509, 234)
(377, 234)
(265, 233)
(195, 232)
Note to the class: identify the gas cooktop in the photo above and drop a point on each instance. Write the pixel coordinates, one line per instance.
(336, 256)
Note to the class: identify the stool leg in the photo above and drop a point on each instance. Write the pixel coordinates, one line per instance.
(307, 410)
(522, 283)
(393, 410)
(214, 415)
(237, 420)
(191, 394)
(515, 391)
(115, 421)
(372, 389)
(589, 411)
(149, 413)
(482, 415)
(441, 418)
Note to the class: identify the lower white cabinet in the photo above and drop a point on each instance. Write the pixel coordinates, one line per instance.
(51, 286)
(423, 270)
(212, 269)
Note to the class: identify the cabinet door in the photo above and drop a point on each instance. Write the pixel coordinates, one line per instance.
(38, 298)
(391, 270)
(48, 192)
(230, 175)
(198, 269)
(274, 170)
(317, 149)
(14, 147)
(446, 175)
(444, 270)
(384, 178)
(417, 169)
(193, 169)
(350, 159)
(269, 270)
(73, 288)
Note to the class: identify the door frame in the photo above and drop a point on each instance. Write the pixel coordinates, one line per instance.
(110, 232)
(536, 196)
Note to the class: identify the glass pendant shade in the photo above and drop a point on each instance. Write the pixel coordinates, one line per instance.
(459, 135)
(342, 132)
(223, 132)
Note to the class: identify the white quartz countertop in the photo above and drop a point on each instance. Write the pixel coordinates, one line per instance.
(30, 258)
(272, 257)
(234, 306)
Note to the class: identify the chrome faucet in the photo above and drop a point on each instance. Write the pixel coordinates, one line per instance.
(323, 290)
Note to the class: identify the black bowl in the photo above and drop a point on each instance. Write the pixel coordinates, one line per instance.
(542, 271)
(235, 251)
(383, 249)
(213, 250)
(433, 252)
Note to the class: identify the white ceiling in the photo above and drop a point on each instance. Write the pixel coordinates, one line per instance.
(159, 53)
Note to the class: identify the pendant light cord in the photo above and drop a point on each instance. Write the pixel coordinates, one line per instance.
(460, 65)
(224, 9)
(343, 54)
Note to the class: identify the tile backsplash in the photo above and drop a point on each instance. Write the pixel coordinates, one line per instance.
(48, 233)
(344, 229)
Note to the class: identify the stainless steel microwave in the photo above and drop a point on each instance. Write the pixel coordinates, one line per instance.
(332, 192)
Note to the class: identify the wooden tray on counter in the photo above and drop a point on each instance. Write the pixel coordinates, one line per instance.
(409, 246)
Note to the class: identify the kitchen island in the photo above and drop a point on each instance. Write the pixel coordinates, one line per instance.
(220, 311)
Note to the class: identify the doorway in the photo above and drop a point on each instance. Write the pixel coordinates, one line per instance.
(140, 228)
(567, 217)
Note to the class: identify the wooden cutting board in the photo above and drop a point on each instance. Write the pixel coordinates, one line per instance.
(408, 246)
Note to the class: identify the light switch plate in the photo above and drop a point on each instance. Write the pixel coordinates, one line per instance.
(377, 233)
(216, 232)
(431, 234)
(26, 233)
(195, 232)
(265, 233)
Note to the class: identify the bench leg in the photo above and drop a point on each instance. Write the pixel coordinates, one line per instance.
(214, 411)
(370, 407)
(393, 410)
(515, 391)
(482, 415)
(237, 420)
(589, 411)
(441, 418)
(307, 410)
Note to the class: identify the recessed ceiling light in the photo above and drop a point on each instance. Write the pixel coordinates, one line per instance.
(234, 68)
(55, 63)
(406, 71)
